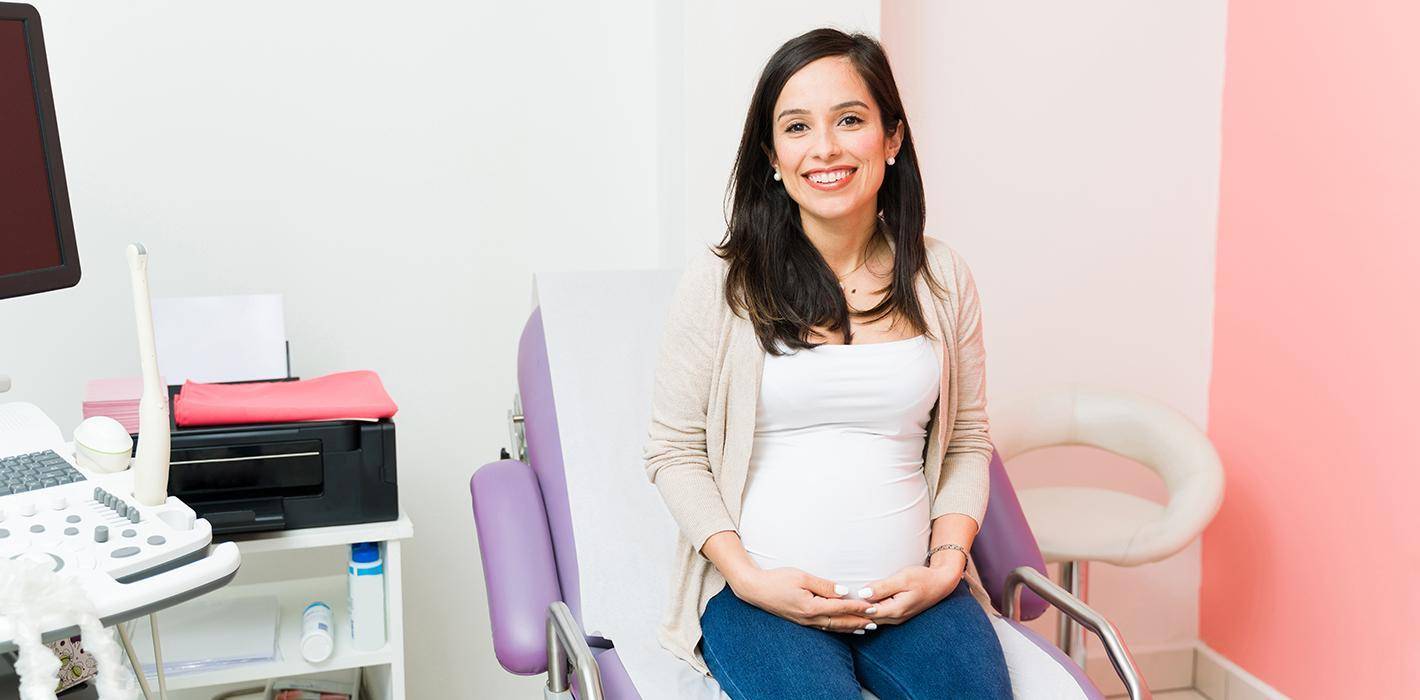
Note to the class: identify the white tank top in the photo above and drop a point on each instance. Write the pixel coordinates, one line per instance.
(835, 484)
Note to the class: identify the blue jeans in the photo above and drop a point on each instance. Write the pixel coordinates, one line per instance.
(947, 651)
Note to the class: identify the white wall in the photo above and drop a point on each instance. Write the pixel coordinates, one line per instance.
(397, 174)
(1070, 152)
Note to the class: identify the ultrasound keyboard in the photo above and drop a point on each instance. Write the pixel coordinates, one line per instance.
(35, 470)
(128, 557)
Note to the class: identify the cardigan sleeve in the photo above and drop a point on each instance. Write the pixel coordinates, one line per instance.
(966, 472)
(675, 455)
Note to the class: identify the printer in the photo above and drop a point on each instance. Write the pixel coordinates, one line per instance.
(278, 476)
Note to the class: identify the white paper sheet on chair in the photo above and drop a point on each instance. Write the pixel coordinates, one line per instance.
(603, 331)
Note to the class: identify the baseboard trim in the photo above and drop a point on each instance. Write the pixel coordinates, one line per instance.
(1237, 683)
(1193, 666)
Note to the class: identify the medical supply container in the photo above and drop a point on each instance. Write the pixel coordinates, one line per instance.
(367, 597)
(317, 632)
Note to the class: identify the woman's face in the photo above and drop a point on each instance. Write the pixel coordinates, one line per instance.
(830, 144)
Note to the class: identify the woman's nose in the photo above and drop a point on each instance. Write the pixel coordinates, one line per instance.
(825, 146)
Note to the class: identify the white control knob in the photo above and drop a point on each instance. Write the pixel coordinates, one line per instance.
(58, 502)
(27, 508)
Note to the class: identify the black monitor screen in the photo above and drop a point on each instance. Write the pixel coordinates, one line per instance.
(37, 251)
(29, 238)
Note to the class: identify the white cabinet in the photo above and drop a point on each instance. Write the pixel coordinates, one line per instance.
(383, 668)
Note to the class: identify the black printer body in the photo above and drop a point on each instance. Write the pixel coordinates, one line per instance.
(282, 476)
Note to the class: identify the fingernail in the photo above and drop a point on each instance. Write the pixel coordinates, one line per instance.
(840, 589)
(858, 632)
(865, 593)
(871, 626)
(871, 610)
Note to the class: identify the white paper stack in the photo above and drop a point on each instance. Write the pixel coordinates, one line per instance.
(234, 338)
(116, 398)
(208, 634)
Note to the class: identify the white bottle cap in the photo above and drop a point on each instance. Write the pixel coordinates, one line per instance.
(316, 648)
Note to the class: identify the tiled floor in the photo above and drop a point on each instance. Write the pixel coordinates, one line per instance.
(1172, 695)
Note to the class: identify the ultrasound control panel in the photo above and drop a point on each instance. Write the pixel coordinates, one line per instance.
(74, 522)
(128, 558)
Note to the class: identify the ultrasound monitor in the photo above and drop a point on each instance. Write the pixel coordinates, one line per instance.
(37, 250)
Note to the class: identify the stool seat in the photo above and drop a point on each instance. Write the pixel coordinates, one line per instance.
(1095, 524)
(1075, 523)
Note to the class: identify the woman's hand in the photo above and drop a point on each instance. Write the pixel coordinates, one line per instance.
(801, 597)
(899, 597)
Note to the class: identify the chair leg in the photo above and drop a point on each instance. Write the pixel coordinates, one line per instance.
(1069, 635)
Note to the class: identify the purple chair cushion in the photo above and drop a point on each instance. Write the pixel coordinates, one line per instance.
(518, 565)
(1006, 542)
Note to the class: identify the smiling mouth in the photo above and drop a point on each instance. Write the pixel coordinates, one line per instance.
(829, 180)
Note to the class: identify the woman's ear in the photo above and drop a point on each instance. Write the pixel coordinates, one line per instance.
(894, 140)
(773, 159)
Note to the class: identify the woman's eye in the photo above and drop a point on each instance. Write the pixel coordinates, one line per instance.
(850, 120)
(796, 127)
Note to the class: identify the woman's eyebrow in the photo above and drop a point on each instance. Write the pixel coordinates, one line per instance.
(835, 108)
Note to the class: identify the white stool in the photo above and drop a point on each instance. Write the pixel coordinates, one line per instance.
(1077, 525)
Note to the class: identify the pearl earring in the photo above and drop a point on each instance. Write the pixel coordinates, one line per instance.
(891, 161)
(777, 176)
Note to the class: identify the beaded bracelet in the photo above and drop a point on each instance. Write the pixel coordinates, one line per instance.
(949, 545)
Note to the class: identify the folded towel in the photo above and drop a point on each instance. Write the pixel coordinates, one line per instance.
(338, 396)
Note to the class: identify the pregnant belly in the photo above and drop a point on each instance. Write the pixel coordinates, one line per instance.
(851, 509)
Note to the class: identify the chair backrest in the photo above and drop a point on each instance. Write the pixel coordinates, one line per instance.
(1005, 540)
(545, 453)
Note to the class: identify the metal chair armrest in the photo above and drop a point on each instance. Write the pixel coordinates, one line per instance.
(567, 643)
(1085, 615)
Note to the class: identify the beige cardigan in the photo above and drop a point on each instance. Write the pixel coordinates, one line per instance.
(703, 419)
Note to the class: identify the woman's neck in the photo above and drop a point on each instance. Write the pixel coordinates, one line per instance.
(841, 241)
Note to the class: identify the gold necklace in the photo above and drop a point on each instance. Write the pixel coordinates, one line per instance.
(860, 265)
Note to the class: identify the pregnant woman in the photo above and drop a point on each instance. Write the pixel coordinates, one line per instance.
(819, 427)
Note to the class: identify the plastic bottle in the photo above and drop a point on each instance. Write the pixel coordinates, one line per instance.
(367, 597)
(317, 633)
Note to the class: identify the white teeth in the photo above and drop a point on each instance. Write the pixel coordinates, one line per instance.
(829, 177)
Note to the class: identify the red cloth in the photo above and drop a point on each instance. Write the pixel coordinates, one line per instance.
(332, 397)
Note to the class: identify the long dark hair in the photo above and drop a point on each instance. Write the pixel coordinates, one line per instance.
(776, 275)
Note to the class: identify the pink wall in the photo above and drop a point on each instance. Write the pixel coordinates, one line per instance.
(1070, 153)
(1310, 570)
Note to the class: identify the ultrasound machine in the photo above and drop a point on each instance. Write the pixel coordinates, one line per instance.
(130, 548)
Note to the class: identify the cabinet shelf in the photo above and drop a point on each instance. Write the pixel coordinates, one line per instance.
(292, 596)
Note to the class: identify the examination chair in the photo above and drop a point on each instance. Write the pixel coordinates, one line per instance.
(529, 554)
